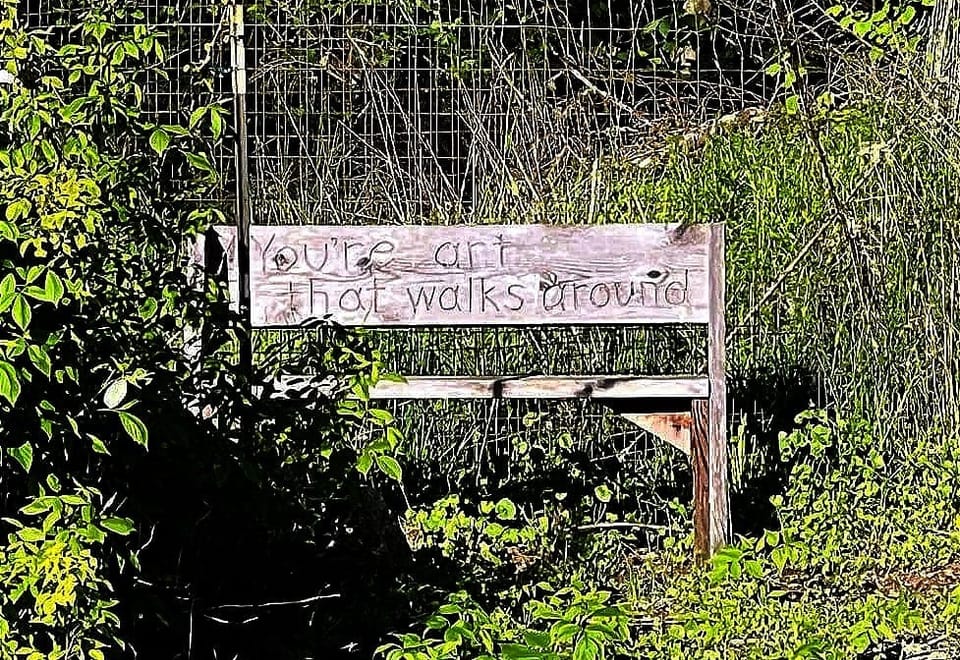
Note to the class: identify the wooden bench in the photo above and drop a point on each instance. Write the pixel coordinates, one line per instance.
(519, 275)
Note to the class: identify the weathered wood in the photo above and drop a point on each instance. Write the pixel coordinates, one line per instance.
(720, 530)
(673, 428)
(479, 275)
(700, 463)
(521, 275)
(540, 387)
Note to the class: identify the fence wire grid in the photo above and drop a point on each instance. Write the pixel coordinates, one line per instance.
(451, 111)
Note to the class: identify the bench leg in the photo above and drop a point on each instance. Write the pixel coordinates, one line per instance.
(700, 460)
(708, 455)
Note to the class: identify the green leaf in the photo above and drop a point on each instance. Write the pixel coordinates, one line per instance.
(586, 649)
(506, 510)
(907, 15)
(22, 455)
(122, 526)
(21, 312)
(148, 308)
(9, 382)
(216, 123)
(159, 141)
(115, 394)
(19, 208)
(518, 652)
(135, 428)
(197, 115)
(389, 466)
(97, 445)
(40, 359)
(382, 416)
(603, 493)
(53, 286)
(201, 162)
(31, 534)
(364, 463)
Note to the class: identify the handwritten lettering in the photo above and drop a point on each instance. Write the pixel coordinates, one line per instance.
(469, 275)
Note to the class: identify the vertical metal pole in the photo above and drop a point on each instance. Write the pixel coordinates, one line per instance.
(242, 206)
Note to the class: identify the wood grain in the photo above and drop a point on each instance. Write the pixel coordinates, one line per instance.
(720, 528)
(540, 387)
(479, 275)
(673, 427)
(700, 463)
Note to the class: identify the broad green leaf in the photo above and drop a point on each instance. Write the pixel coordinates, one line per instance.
(519, 652)
(21, 312)
(37, 506)
(201, 162)
(389, 466)
(98, 446)
(115, 394)
(603, 493)
(197, 115)
(9, 382)
(122, 526)
(586, 649)
(175, 129)
(40, 359)
(8, 284)
(22, 455)
(216, 123)
(382, 416)
(17, 209)
(31, 534)
(53, 286)
(135, 428)
(364, 463)
(506, 510)
(159, 140)
(148, 308)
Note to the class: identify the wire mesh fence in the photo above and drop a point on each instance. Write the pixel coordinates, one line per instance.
(451, 111)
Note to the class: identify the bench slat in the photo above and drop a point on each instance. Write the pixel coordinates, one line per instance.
(543, 387)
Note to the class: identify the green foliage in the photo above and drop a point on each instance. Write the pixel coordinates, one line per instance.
(887, 28)
(83, 245)
(865, 554)
(572, 622)
(55, 593)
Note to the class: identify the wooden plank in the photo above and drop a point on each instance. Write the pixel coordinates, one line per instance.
(537, 387)
(700, 460)
(673, 428)
(720, 529)
(479, 275)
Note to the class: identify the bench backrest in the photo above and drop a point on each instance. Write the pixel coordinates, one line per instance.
(481, 275)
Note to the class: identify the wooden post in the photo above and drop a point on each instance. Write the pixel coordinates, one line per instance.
(717, 461)
(242, 202)
(699, 459)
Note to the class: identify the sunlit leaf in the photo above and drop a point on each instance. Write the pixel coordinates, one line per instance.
(22, 455)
